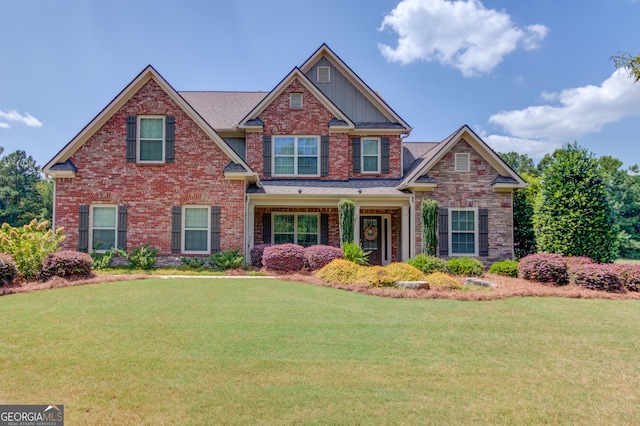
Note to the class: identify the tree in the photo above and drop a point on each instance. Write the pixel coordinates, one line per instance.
(573, 215)
(628, 62)
(429, 213)
(521, 163)
(346, 221)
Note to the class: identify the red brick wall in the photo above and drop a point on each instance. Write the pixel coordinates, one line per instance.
(149, 191)
(313, 119)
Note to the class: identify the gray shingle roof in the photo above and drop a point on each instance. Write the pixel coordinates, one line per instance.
(223, 110)
(233, 167)
(67, 165)
(328, 187)
(413, 151)
(504, 179)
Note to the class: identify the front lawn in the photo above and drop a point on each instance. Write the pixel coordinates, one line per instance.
(265, 351)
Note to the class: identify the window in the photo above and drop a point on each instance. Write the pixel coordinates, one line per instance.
(296, 228)
(295, 101)
(196, 229)
(103, 227)
(463, 232)
(324, 75)
(151, 139)
(461, 162)
(295, 155)
(370, 155)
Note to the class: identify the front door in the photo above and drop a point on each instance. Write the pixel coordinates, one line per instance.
(371, 237)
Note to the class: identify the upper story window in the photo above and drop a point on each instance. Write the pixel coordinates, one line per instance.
(104, 227)
(371, 155)
(151, 137)
(461, 162)
(295, 101)
(323, 75)
(295, 155)
(463, 232)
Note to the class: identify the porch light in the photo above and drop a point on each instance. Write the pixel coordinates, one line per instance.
(299, 190)
(359, 190)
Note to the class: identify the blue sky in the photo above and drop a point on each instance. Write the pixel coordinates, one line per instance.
(527, 76)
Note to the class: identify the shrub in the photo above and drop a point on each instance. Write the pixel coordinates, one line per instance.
(508, 268)
(544, 268)
(339, 271)
(255, 254)
(316, 257)
(66, 264)
(8, 271)
(428, 264)
(29, 245)
(283, 257)
(346, 215)
(465, 266)
(429, 213)
(442, 281)
(193, 262)
(143, 257)
(227, 259)
(597, 277)
(101, 260)
(629, 275)
(355, 253)
(403, 272)
(375, 276)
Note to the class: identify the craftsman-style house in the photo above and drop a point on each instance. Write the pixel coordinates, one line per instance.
(192, 173)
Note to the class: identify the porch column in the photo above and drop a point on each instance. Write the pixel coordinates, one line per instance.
(406, 234)
(250, 226)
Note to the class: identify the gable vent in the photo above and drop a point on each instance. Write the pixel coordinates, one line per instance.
(324, 75)
(462, 162)
(295, 101)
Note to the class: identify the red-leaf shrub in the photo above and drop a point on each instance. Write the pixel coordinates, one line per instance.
(66, 263)
(255, 254)
(316, 257)
(8, 271)
(544, 268)
(597, 277)
(630, 276)
(283, 257)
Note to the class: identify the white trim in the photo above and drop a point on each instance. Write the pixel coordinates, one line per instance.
(461, 162)
(295, 155)
(362, 155)
(139, 139)
(295, 225)
(115, 229)
(183, 229)
(475, 231)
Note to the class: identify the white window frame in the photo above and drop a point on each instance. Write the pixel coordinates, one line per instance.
(293, 100)
(139, 139)
(295, 224)
(183, 229)
(461, 158)
(362, 156)
(475, 231)
(328, 74)
(295, 155)
(115, 229)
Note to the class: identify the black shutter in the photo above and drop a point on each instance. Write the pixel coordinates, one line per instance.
(324, 156)
(443, 232)
(169, 138)
(83, 228)
(122, 228)
(483, 232)
(131, 139)
(324, 229)
(176, 227)
(215, 229)
(355, 142)
(385, 155)
(266, 153)
(266, 228)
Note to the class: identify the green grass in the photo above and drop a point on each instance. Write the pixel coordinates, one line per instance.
(628, 261)
(233, 351)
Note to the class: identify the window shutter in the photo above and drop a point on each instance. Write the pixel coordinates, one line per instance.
(266, 152)
(324, 229)
(131, 139)
(483, 232)
(169, 138)
(266, 228)
(443, 232)
(324, 155)
(356, 155)
(83, 228)
(176, 226)
(122, 228)
(215, 229)
(385, 155)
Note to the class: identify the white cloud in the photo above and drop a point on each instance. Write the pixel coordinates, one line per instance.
(13, 115)
(568, 116)
(460, 33)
